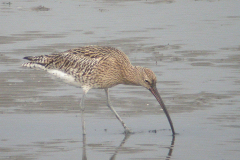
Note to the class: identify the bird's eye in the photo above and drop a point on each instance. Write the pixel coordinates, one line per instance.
(147, 81)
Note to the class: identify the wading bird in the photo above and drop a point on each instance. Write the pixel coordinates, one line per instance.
(98, 67)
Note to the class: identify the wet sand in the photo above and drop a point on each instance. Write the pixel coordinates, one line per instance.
(192, 46)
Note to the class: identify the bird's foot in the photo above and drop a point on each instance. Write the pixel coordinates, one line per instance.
(127, 131)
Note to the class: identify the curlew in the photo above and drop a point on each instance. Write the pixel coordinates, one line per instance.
(98, 67)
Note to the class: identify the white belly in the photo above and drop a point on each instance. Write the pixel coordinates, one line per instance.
(65, 77)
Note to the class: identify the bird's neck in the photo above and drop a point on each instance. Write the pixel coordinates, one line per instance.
(132, 75)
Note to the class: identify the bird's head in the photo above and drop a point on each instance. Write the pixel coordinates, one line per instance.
(148, 78)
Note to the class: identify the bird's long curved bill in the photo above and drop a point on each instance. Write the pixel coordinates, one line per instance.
(154, 91)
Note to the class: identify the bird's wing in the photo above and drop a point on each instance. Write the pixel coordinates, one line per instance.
(78, 59)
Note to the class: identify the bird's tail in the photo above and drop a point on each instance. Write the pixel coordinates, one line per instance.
(37, 61)
(28, 58)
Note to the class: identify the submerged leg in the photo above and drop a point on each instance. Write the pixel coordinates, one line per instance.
(82, 108)
(127, 130)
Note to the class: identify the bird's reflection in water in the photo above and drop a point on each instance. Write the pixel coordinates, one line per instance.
(171, 148)
(120, 146)
(84, 154)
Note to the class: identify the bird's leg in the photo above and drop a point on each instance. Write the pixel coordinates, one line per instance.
(82, 108)
(127, 130)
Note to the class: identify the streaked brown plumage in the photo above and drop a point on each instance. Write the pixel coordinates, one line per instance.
(98, 67)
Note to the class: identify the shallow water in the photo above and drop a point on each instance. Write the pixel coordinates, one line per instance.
(192, 46)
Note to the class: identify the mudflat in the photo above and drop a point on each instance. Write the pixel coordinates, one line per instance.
(192, 46)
